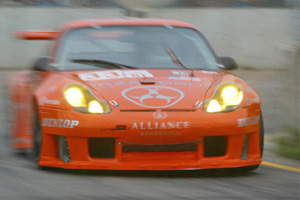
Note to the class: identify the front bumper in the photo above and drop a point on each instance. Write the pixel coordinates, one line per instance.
(185, 140)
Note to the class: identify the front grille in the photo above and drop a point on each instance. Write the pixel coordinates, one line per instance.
(102, 147)
(156, 110)
(160, 148)
(215, 146)
(137, 110)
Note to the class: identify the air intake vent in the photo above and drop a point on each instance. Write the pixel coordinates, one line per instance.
(102, 147)
(215, 146)
(160, 148)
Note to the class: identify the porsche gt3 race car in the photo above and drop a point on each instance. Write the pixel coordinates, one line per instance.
(134, 94)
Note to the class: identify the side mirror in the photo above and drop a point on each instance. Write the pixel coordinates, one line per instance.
(41, 64)
(229, 63)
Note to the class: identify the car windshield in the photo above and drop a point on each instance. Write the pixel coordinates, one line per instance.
(144, 47)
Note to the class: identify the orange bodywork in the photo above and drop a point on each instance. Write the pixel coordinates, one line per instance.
(169, 132)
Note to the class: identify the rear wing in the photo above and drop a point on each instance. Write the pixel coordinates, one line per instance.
(37, 35)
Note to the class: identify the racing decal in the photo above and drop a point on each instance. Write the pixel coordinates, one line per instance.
(59, 123)
(180, 73)
(160, 133)
(208, 72)
(108, 35)
(160, 125)
(251, 101)
(45, 100)
(183, 78)
(137, 83)
(114, 104)
(160, 115)
(153, 96)
(114, 74)
(198, 104)
(248, 121)
(52, 88)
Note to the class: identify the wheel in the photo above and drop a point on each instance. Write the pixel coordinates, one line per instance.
(37, 138)
(261, 135)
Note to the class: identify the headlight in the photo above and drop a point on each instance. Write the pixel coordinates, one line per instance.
(83, 100)
(74, 97)
(226, 98)
(95, 107)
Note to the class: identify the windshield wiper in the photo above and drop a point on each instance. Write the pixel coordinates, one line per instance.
(105, 62)
(177, 61)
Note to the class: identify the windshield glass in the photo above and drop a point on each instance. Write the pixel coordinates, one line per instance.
(145, 47)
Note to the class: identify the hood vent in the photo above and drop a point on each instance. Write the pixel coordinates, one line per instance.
(147, 80)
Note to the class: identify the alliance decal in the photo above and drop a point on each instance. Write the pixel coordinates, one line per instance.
(114, 74)
(153, 96)
(59, 123)
(160, 125)
(160, 133)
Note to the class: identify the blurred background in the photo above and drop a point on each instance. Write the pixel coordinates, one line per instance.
(263, 36)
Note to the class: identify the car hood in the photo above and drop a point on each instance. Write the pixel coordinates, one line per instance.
(149, 89)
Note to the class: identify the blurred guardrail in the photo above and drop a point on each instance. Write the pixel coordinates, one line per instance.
(262, 38)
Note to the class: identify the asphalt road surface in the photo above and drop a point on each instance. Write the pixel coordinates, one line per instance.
(21, 179)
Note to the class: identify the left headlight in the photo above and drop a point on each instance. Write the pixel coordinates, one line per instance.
(83, 100)
(227, 97)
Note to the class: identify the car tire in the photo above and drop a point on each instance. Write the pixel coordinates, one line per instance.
(37, 137)
(261, 135)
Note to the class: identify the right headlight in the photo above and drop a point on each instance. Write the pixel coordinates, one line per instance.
(227, 97)
(83, 100)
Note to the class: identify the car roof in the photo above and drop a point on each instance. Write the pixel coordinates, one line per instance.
(126, 21)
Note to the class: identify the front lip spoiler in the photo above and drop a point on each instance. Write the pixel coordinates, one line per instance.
(150, 166)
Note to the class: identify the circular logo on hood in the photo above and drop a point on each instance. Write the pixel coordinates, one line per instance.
(153, 96)
(160, 115)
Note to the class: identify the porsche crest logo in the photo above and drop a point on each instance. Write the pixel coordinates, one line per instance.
(153, 96)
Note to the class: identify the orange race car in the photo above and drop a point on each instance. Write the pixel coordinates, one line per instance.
(134, 94)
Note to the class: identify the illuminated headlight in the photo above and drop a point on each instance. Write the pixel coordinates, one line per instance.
(83, 100)
(95, 107)
(226, 98)
(75, 97)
